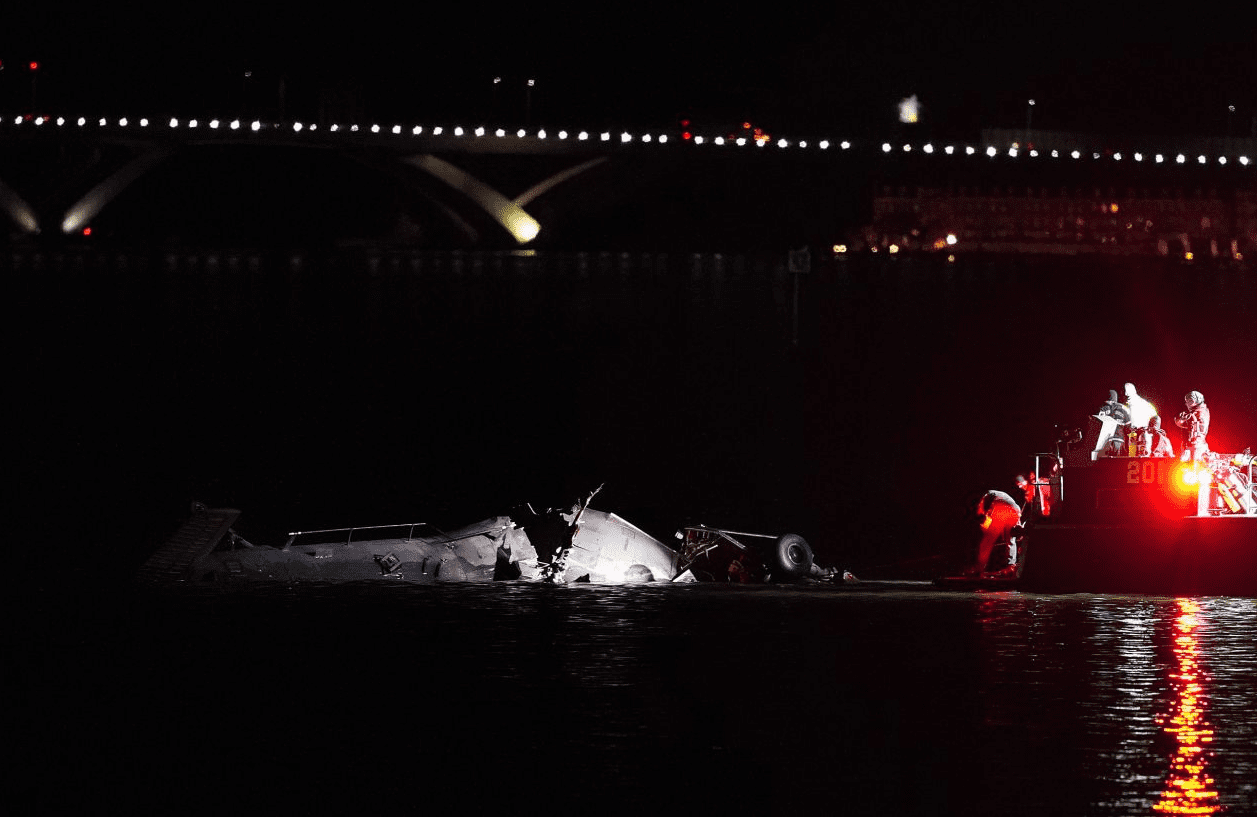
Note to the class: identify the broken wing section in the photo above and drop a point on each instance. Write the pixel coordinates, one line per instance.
(611, 550)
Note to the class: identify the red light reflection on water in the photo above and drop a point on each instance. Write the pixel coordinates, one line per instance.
(1188, 788)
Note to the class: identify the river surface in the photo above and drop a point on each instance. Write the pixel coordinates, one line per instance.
(882, 699)
(866, 415)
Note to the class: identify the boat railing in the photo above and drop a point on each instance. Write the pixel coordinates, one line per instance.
(345, 536)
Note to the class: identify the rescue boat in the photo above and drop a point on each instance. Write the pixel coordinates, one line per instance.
(1140, 524)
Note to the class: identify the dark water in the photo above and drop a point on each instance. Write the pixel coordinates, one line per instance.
(367, 389)
(580, 699)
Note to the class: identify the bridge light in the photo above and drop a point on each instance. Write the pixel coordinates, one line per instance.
(480, 131)
(437, 130)
(144, 123)
(605, 136)
(990, 151)
(1075, 154)
(663, 138)
(1139, 157)
(928, 148)
(103, 122)
(626, 137)
(719, 140)
(824, 144)
(541, 134)
(416, 130)
(256, 126)
(174, 123)
(970, 150)
(520, 133)
(375, 128)
(1221, 160)
(582, 136)
(397, 129)
(235, 125)
(1159, 159)
(192, 123)
(1244, 161)
(885, 147)
(907, 148)
(1201, 159)
(499, 133)
(1180, 158)
(1117, 157)
(60, 121)
(646, 137)
(296, 126)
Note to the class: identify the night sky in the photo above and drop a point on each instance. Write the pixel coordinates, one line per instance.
(835, 70)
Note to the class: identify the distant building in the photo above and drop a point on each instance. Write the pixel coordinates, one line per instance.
(1059, 204)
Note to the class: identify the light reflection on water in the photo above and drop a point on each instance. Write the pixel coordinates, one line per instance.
(1188, 788)
(887, 699)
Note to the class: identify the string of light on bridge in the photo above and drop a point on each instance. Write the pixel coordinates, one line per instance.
(625, 138)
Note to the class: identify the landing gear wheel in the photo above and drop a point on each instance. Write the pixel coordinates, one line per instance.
(793, 556)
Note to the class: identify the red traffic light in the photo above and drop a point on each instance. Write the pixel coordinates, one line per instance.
(34, 66)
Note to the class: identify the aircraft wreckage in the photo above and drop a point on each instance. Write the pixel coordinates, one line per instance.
(555, 546)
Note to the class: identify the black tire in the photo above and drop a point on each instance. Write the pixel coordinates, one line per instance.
(792, 556)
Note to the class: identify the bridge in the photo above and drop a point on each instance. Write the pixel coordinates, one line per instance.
(135, 180)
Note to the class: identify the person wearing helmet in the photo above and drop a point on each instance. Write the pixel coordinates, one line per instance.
(1195, 421)
(1114, 409)
(1154, 442)
(1141, 411)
